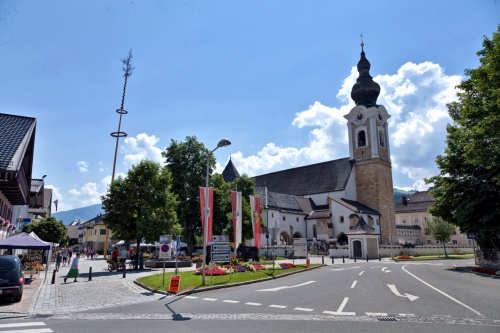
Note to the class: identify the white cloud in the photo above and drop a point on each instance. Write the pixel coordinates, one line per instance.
(89, 194)
(83, 166)
(141, 148)
(416, 97)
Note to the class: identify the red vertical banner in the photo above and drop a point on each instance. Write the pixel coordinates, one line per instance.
(255, 206)
(210, 209)
(257, 222)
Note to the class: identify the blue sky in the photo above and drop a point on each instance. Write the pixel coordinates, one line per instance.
(274, 77)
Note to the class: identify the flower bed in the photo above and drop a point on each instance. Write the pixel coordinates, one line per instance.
(405, 257)
(241, 268)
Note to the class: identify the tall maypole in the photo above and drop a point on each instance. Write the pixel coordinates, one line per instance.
(120, 134)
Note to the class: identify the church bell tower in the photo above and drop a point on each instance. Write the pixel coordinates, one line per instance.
(369, 147)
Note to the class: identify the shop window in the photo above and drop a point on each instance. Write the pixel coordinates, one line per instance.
(102, 232)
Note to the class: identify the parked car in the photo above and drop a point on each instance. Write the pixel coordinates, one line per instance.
(11, 277)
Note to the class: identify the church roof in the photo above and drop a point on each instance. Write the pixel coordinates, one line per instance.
(230, 173)
(417, 202)
(311, 179)
(280, 201)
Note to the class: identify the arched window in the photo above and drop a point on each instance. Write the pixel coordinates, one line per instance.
(361, 138)
(381, 138)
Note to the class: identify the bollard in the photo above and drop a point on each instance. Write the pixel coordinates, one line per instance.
(90, 273)
(343, 259)
(53, 277)
(354, 258)
(379, 257)
(333, 260)
(323, 260)
(366, 258)
(124, 271)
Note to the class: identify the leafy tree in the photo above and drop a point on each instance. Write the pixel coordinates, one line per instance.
(50, 230)
(467, 190)
(187, 162)
(441, 231)
(142, 205)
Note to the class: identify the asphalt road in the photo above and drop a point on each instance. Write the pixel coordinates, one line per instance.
(361, 297)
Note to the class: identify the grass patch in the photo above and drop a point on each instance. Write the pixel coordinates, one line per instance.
(190, 281)
(438, 257)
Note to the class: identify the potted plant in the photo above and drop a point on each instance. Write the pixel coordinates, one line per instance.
(198, 260)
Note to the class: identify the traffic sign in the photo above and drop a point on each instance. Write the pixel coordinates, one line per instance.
(165, 239)
(164, 251)
(220, 238)
(221, 248)
(220, 257)
(472, 235)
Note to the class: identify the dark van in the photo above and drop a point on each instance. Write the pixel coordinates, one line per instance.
(11, 278)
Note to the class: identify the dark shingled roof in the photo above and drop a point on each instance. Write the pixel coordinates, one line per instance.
(230, 173)
(283, 202)
(323, 177)
(356, 206)
(417, 202)
(402, 226)
(16, 132)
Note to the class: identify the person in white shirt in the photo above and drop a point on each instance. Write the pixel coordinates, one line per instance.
(123, 256)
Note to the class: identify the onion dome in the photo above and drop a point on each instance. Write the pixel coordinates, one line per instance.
(365, 91)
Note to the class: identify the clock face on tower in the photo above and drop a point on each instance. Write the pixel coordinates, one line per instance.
(380, 119)
(360, 118)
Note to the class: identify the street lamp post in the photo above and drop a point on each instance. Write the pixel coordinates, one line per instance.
(390, 234)
(222, 143)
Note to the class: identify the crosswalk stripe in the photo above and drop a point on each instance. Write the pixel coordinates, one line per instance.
(34, 323)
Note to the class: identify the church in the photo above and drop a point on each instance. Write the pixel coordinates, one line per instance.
(345, 203)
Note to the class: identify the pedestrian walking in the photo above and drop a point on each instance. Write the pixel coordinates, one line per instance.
(58, 260)
(73, 271)
(65, 257)
(70, 254)
(92, 251)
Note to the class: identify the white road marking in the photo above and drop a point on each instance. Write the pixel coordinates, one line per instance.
(191, 297)
(353, 284)
(210, 299)
(443, 293)
(277, 306)
(396, 292)
(256, 304)
(288, 287)
(229, 301)
(384, 269)
(406, 315)
(376, 314)
(340, 313)
(303, 309)
(36, 330)
(361, 273)
(343, 269)
(35, 323)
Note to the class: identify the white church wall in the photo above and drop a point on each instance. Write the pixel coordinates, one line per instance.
(350, 190)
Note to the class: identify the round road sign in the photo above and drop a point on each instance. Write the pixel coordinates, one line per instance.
(164, 248)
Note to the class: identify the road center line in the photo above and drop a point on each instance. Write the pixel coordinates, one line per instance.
(353, 284)
(443, 293)
(303, 309)
(210, 299)
(361, 273)
(250, 303)
(230, 301)
(277, 306)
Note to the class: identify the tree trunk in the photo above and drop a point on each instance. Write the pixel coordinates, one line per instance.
(445, 254)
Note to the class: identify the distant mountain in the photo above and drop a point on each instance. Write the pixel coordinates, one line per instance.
(89, 212)
(84, 213)
(399, 194)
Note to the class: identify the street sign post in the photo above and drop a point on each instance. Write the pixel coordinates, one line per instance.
(164, 252)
